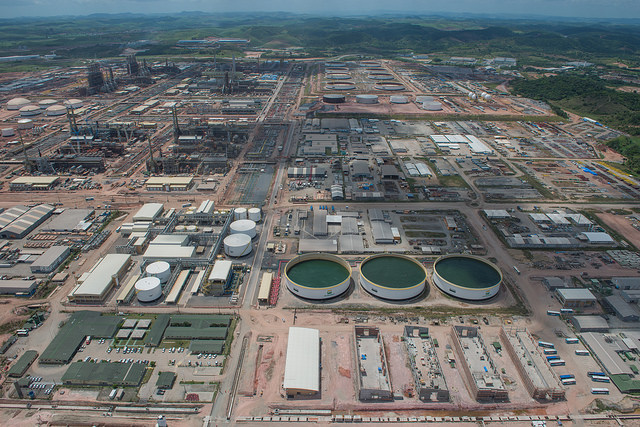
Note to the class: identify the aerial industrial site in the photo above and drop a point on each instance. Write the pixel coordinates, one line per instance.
(250, 241)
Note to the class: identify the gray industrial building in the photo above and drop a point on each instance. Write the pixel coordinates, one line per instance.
(575, 297)
(320, 223)
(17, 287)
(360, 169)
(389, 172)
(20, 226)
(590, 323)
(68, 220)
(625, 311)
(50, 260)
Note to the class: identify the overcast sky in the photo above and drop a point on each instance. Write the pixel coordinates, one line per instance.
(568, 8)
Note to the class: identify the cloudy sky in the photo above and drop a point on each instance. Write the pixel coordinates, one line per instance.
(569, 8)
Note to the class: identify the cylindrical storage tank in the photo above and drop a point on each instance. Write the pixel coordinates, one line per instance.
(421, 99)
(45, 103)
(237, 245)
(390, 86)
(255, 214)
(487, 97)
(56, 110)
(331, 98)
(432, 106)
(181, 228)
(392, 277)
(8, 132)
(73, 103)
(17, 103)
(467, 277)
(317, 276)
(159, 269)
(367, 99)
(244, 226)
(25, 124)
(30, 110)
(398, 99)
(148, 289)
(239, 213)
(340, 86)
(338, 76)
(380, 75)
(192, 228)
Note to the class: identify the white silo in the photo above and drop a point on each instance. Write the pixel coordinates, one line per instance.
(487, 97)
(159, 269)
(474, 96)
(148, 289)
(432, 106)
(237, 245)
(244, 226)
(240, 213)
(254, 214)
(8, 132)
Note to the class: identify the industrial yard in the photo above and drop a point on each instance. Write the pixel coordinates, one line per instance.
(311, 241)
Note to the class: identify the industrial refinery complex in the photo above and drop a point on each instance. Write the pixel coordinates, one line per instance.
(315, 241)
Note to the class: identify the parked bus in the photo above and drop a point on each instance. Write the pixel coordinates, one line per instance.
(566, 310)
(568, 381)
(545, 344)
(597, 374)
(22, 332)
(553, 313)
(553, 358)
(558, 362)
(582, 352)
(572, 340)
(516, 269)
(566, 376)
(550, 351)
(599, 391)
(599, 379)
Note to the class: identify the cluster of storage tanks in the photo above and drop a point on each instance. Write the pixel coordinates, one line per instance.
(242, 231)
(51, 107)
(149, 288)
(484, 95)
(392, 277)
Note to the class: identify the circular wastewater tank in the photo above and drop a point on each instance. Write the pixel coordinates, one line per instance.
(73, 103)
(159, 269)
(370, 64)
(333, 98)
(8, 132)
(317, 276)
(240, 213)
(379, 75)
(237, 245)
(255, 214)
(392, 277)
(467, 277)
(421, 99)
(398, 99)
(244, 226)
(45, 103)
(367, 99)
(390, 86)
(148, 289)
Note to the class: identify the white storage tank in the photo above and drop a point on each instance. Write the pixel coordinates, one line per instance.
(8, 132)
(423, 98)
(148, 289)
(159, 269)
(25, 124)
(192, 228)
(45, 103)
(237, 245)
(398, 99)
(244, 226)
(432, 106)
(30, 110)
(56, 110)
(255, 214)
(240, 213)
(367, 99)
(73, 103)
(17, 103)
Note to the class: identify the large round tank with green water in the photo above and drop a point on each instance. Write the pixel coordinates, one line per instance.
(392, 277)
(467, 277)
(317, 276)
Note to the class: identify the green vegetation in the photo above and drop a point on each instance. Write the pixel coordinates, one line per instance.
(588, 96)
(630, 148)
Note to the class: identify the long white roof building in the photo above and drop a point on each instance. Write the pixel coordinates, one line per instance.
(302, 368)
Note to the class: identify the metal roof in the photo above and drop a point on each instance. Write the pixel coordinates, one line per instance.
(101, 276)
(302, 368)
(220, 270)
(168, 252)
(148, 212)
(170, 239)
(576, 294)
(50, 256)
